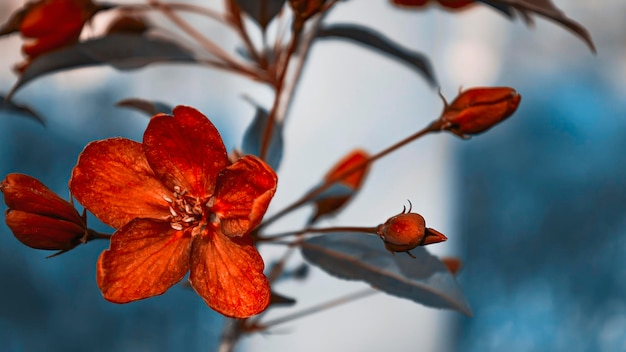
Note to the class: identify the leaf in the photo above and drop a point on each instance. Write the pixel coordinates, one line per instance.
(10, 107)
(340, 193)
(122, 51)
(299, 273)
(374, 40)
(276, 299)
(262, 11)
(253, 137)
(423, 279)
(544, 8)
(151, 108)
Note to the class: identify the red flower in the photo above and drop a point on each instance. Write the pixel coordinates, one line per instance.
(178, 205)
(38, 217)
(478, 109)
(450, 4)
(51, 24)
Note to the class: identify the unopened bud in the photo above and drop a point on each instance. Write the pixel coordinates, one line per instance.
(305, 9)
(38, 217)
(478, 109)
(406, 231)
(450, 4)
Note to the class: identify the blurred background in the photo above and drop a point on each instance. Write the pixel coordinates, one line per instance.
(534, 208)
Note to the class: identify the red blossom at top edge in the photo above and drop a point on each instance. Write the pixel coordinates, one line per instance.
(178, 205)
(52, 24)
(449, 4)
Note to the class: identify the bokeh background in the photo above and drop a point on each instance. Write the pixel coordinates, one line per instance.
(534, 208)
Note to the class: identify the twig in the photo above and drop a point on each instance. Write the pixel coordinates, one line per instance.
(433, 127)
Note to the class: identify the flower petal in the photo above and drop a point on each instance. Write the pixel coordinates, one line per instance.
(45, 17)
(22, 192)
(185, 150)
(145, 258)
(242, 194)
(54, 40)
(228, 274)
(114, 181)
(42, 232)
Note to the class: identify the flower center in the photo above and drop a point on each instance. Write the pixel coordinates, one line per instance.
(187, 211)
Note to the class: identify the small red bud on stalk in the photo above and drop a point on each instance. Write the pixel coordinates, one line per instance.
(48, 25)
(126, 24)
(41, 219)
(453, 264)
(305, 9)
(450, 4)
(478, 109)
(406, 231)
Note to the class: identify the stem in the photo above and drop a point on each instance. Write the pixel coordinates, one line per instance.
(312, 310)
(199, 10)
(282, 70)
(253, 75)
(285, 94)
(206, 43)
(237, 22)
(94, 235)
(432, 127)
(369, 230)
(277, 270)
(230, 335)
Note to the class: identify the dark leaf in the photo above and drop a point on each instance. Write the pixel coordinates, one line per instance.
(278, 299)
(122, 51)
(374, 40)
(544, 8)
(423, 279)
(253, 138)
(151, 108)
(10, 107)
(505, 9)
(300, 272)
(262, 11)
(337, 190)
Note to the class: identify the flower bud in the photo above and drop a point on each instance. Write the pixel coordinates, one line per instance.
(452, 264)
(38, 217)
(478, 109)
(406, 231)
(304, 9)
(126, 24)
(456, 4)
(450, 4)
(50, 24)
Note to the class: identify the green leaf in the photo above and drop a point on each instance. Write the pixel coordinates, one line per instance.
(423, 279)
(122, 51)
(377, 41)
